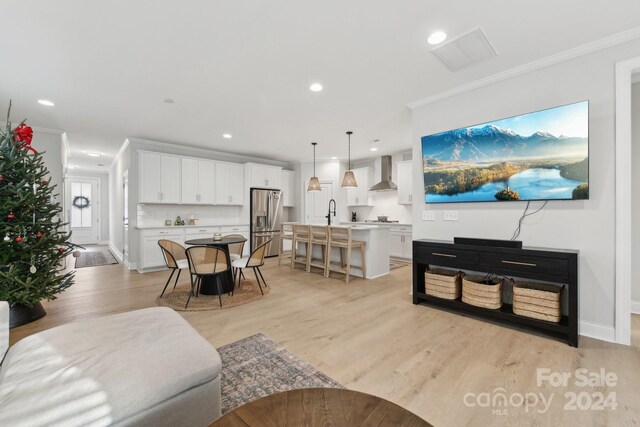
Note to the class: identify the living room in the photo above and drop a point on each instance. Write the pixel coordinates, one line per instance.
(348, 214)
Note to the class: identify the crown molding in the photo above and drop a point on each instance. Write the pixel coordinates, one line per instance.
(47, 130)
(548, 61)
(124, 146)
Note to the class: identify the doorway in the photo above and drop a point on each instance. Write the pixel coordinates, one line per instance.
(125, 218)
(84, 210)
(317, 203)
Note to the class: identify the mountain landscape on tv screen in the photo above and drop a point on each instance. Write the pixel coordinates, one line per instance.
(489, 163)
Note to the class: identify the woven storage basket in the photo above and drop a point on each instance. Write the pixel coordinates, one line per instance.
(442, 283)
(537, 300)
(474, 292)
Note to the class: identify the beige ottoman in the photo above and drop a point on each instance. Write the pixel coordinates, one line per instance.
(145, 367)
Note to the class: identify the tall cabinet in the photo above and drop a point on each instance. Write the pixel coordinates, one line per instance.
(159, 178)
(405, 181)
(229, 183)
(359, 196)
(197, 181)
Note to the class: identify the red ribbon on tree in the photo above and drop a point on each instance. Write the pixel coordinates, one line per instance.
(24, 134)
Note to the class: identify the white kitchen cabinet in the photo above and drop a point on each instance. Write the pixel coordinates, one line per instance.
(159, 178)
(404, 181)
(229, 184)
(150, 252)
(359, 196)
(198, 181)
(400, 244)
(287, 185)
(262, 176)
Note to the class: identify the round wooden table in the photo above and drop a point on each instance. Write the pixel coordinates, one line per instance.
(208, 286)
(320, 407)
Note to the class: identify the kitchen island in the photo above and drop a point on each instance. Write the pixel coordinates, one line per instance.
(376, 250)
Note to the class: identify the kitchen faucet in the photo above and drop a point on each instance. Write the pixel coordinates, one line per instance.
(334, 211)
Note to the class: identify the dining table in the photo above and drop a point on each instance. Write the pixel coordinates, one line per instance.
(209, 283)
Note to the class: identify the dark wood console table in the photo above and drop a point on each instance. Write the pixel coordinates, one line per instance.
(549, 265)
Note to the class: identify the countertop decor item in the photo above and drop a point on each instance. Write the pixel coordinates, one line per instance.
(314, 182)
(217, 236)
(383, 218)
(349, 180)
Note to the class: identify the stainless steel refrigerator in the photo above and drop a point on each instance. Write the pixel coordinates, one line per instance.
(266, 219)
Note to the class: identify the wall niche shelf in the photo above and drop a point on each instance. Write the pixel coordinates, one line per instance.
(549, 265)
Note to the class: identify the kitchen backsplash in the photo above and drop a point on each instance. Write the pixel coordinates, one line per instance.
(386, 204)
(151, 215)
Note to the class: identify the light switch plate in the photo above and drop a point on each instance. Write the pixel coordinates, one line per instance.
(450, 215)
(428, 216)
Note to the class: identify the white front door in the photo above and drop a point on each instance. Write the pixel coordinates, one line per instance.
(317, 204)
(84, 205)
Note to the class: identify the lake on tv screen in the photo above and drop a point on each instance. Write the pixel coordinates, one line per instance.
(530, 184)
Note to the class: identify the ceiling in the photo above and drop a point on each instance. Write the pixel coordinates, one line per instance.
(245, 66)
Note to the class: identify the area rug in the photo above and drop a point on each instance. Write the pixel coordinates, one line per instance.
(396, 263)
(95, 258)
(257, 366)
(177, 298)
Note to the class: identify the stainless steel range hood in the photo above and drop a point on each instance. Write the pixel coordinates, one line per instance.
(385, 183)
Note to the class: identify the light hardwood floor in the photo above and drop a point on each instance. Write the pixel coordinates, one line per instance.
(370, 337)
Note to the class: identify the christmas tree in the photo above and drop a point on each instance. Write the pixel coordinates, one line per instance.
(32, 238)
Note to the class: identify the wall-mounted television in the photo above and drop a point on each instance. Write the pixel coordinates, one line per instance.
(543, 155)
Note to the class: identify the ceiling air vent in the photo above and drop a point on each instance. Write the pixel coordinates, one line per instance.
(465, 50)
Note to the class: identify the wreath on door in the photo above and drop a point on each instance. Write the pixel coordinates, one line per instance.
(81, 202)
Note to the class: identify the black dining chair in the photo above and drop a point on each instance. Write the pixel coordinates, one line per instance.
(175, 258)
(206, 261)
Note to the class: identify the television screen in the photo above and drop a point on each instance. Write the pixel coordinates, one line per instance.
(542, 155)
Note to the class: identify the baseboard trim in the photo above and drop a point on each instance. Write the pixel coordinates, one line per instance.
(597, 331)
(115, 252)
(635, 307)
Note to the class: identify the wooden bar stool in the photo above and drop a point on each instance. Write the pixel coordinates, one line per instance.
(301, 234)
(287, 234)
(319, 236)
(340, 237)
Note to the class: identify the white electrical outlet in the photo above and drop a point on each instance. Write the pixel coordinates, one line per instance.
(450, 215)
(428, 216)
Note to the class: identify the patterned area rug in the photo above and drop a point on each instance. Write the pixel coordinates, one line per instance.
(177, 298)
(257, 366)
(95, 258)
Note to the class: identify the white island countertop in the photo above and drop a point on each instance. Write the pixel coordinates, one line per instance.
(376, 251)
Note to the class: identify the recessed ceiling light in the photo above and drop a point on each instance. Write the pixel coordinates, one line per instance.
(226, 136)
(168, 101)
(46, 102)
(437, 37)
(93, 154)
(374, 149)
(316, 87)
(334, 158)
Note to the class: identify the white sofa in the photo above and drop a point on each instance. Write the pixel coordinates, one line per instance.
(145, 367)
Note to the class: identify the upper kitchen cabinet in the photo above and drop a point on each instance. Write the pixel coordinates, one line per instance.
(359, 196)
(262, 176)
(287, 185)
(229, 184)
(405, 182)
(159, 178)
(198, 177)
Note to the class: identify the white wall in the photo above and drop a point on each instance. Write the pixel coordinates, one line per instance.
(49, 144)
(635, 179)
(116, 226)
(585, 225)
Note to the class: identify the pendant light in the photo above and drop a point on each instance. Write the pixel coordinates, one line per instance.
(314, 182)
(349, 180)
